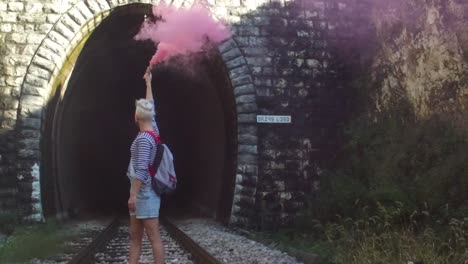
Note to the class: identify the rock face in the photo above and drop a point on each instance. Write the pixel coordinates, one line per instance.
(422, 57)
(285, 58)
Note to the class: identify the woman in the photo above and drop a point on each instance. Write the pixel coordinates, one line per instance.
(144, 203)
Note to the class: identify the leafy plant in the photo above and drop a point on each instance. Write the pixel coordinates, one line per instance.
(8, 222)
(36, 241)
(397, 191)
(421, 164)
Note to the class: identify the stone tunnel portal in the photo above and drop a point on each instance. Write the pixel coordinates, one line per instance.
(88, 133)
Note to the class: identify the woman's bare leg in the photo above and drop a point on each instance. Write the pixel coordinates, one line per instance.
(136, 235)
(152, 231)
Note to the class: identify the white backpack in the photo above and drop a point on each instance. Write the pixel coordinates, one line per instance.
(162, 171)
(164, 179)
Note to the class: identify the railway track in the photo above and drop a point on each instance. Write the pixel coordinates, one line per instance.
(111, 246)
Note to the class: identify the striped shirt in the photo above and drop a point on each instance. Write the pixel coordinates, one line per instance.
(143, 152)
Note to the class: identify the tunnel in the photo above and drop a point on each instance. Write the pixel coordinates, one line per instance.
(88, 131)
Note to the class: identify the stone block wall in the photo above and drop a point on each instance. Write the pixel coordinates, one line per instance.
(293, 51)
(282, 60)
(23, 25)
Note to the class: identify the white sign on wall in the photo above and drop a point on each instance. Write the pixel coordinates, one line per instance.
(277, 119)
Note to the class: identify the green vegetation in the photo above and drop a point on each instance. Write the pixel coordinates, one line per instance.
(377, 239)
(36, 241)
(7, 223)
(398, 191)
(420, 164)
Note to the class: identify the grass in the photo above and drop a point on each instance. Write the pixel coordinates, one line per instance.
(368, 244)
(374, 240)
(303, 246)
(36, 241)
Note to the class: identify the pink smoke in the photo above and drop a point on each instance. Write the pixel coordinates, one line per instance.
(181, 31)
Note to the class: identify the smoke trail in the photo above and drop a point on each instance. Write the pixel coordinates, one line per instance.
(180, 31)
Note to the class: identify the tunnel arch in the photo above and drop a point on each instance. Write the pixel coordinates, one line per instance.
(46, 82)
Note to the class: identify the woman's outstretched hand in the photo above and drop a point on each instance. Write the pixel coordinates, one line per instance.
(148, 76)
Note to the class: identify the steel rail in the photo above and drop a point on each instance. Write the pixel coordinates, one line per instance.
(199, 254)
(86, 255)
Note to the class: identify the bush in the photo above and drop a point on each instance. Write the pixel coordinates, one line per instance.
(422, 165)
(376, 238)
(7, 223)
(397, 192)
(36, 241)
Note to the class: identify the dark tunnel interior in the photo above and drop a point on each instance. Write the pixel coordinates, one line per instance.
(93, 126)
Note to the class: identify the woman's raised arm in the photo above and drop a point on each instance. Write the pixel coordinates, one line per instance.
(148, 77)
(149, 96)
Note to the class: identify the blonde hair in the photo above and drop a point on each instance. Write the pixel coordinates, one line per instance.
(144, 109)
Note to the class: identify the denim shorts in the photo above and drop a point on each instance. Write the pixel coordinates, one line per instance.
(147, 203)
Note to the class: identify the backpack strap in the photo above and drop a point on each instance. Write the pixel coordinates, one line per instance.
(156, 138)
(158, 142)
